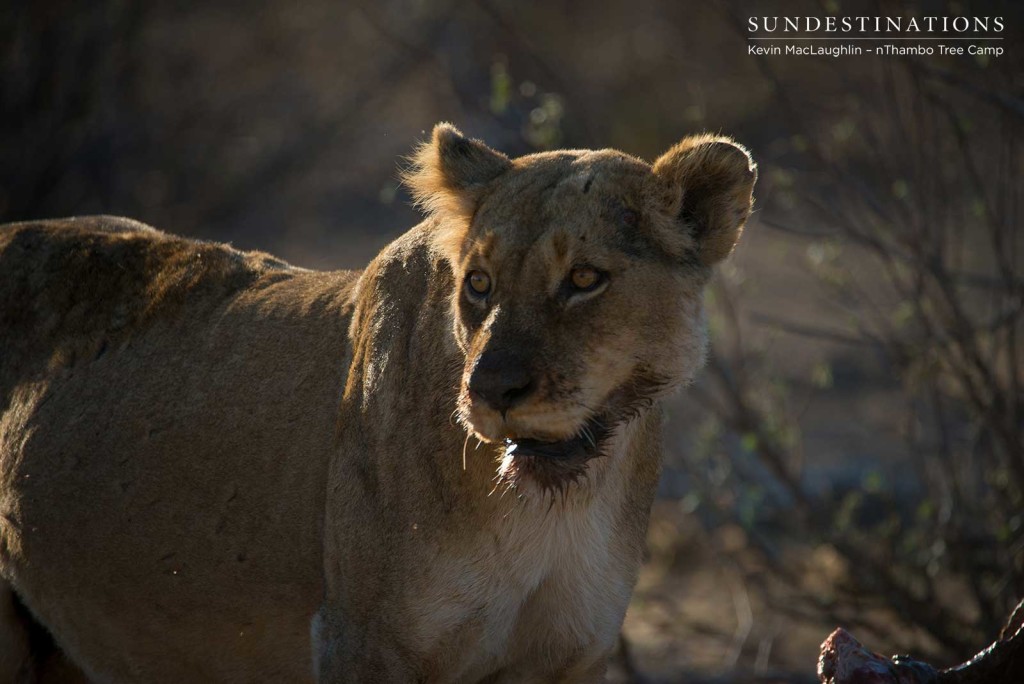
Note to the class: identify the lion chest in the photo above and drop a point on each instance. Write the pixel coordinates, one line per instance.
(542, 580)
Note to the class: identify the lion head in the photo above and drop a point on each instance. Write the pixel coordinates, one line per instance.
(578, 279)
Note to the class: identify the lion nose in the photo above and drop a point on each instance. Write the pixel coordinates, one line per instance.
(501, 379)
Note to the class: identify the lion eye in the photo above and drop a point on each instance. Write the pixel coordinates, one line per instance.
(478, 283)
(585, 278)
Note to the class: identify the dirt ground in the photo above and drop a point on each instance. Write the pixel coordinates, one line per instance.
(692, 611)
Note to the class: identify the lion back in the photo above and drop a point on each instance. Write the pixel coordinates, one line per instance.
(70, 288)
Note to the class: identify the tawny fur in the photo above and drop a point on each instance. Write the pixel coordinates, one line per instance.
(218, 467)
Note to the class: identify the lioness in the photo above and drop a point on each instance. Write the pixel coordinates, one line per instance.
(215, 466)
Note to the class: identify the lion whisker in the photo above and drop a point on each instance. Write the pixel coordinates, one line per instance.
(588, 435)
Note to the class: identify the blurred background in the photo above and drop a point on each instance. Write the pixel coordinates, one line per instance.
(854, 452)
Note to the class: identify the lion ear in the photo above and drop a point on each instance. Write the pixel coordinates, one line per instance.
(706, 183)
(448, 174)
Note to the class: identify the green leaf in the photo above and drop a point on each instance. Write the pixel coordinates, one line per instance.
(501, 87)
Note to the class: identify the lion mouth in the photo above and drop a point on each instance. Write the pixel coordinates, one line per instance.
(553, 466)
(584, 446)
